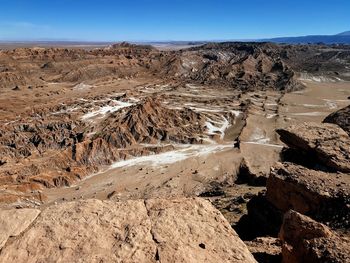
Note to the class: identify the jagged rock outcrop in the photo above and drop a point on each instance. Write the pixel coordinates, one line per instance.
(323, 196)
(305, 240)
(34, 137)
(327, 143)
(151, 122)
(55, 151)
(40, 53)
(319, 189)
(99, 152)
(245, 66)
(148, 122)
(35, 152)
(182, 230)
(341, 118)
(324, 62)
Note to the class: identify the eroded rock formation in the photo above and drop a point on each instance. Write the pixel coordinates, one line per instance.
(327, 143)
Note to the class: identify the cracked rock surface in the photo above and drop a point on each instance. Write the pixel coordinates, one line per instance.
(14, 222)
(180, 230)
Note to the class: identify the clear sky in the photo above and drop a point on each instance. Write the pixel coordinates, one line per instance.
(142, 20)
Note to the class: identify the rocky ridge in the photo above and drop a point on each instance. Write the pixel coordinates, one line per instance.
(306, 208)
(246, 66)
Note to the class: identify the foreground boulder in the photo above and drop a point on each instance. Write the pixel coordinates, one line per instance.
(323, 196)
(341, 118)
(14, 222)
(305, 240)
(327, 143)
(183, 230)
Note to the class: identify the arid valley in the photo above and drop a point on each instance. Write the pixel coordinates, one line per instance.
(222, 152)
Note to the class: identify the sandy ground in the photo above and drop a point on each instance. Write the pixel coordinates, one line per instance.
(315, 102)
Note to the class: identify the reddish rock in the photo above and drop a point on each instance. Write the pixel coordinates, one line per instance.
(151, 122)
(305, 240)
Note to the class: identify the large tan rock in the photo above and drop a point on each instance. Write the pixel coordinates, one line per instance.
(328, 143)
(188, 231)
(183, 230)
(305, 240)
(325, 196)
(13, 222)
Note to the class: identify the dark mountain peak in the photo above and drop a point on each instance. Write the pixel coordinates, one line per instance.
(346, 33)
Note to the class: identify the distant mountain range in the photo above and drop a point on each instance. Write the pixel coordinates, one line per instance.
(342, 38)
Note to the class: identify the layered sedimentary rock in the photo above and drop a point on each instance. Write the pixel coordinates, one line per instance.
(36, 136)
(320, 190)
(323, 196)
(55, 151)
(151, 122)
(182, 230)
(248, 66)
(327, 143)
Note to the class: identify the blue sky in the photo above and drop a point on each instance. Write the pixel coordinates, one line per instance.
(142, 20)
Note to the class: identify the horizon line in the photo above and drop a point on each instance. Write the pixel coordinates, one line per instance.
(68, 40)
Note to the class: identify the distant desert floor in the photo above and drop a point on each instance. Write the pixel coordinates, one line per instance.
(189, 169)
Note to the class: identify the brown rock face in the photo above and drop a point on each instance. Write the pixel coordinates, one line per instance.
(327, 143)
(60, 151)
(323, 196)
(151, 122)
(148, 122)
(305, 240)
(35, 137)
(183, 230)
(247, 66)
(341, 118)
